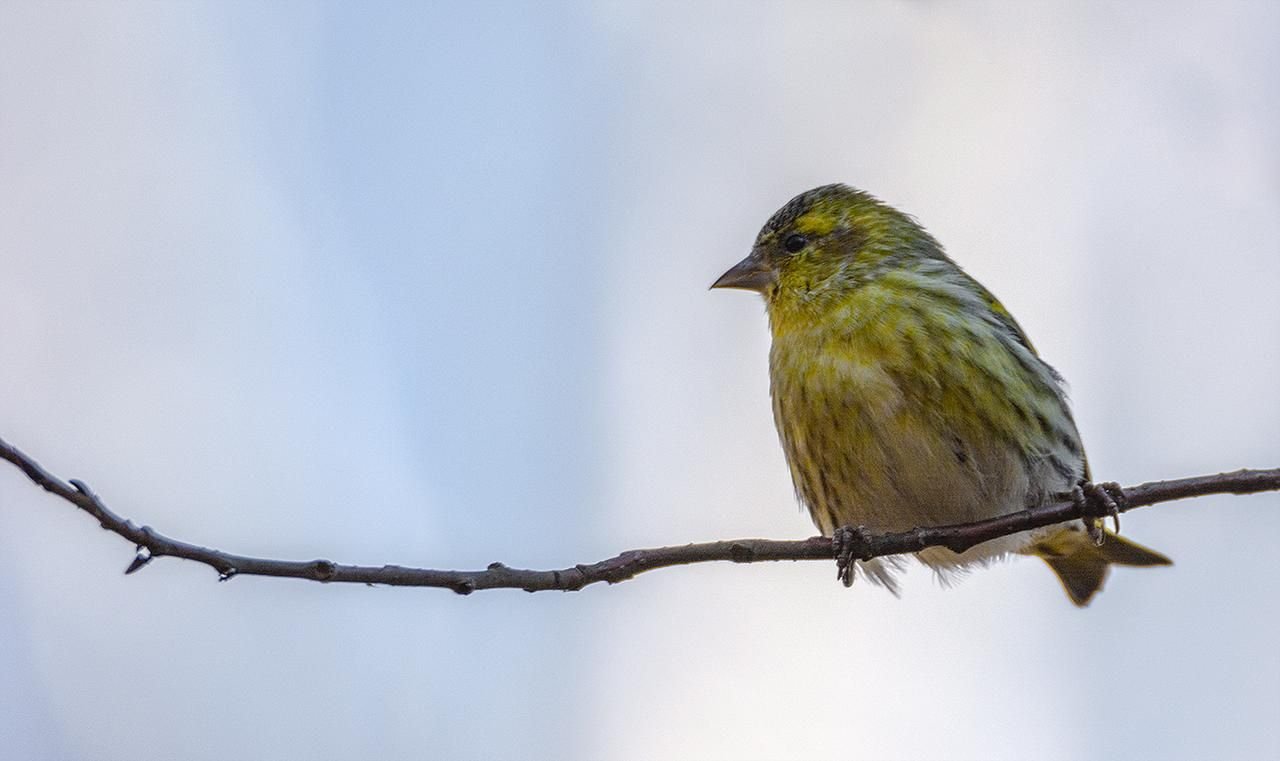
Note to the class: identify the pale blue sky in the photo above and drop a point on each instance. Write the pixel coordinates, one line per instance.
(416, 284)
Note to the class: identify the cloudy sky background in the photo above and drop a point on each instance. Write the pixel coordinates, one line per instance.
(426, 285)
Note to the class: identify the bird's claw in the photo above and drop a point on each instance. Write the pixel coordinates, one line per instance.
(1098, 502)
(849, 544)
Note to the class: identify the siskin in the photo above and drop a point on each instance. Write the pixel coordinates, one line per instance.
(906, 395)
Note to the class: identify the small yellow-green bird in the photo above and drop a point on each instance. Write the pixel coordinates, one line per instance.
(906, 395)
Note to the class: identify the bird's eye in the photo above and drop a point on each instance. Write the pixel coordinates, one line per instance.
(795, 243)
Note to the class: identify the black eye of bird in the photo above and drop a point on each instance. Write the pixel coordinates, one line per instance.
(795, 243)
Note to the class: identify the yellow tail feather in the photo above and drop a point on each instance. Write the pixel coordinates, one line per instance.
(1082, 566)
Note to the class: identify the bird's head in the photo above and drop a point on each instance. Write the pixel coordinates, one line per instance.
(823, 243)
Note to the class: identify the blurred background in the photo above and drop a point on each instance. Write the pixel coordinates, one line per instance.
(426, 284)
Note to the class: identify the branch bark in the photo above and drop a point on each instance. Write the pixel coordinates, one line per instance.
(152, 544)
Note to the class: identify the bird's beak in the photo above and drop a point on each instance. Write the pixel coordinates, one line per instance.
(750, 274)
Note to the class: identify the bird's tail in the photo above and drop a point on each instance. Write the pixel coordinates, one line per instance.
(1082, 565)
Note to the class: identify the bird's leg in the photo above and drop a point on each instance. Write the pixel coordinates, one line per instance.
(1097, 502)
(849, 543)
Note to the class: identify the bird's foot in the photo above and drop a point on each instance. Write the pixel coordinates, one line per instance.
(1098, 502)
(849, 543)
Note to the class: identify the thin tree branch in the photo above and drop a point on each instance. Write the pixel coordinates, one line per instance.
(958, 538)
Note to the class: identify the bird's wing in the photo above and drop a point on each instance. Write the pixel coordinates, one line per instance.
(1006, 318)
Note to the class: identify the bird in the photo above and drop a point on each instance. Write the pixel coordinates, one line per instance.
(905, 395)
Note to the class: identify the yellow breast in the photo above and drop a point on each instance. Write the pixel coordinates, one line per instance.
(876, 413)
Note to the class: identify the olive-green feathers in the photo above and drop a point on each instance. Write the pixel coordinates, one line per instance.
(905, 394)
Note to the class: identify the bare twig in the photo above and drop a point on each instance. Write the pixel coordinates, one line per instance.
(152, 544)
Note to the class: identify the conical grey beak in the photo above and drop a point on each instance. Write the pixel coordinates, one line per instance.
(750, 274)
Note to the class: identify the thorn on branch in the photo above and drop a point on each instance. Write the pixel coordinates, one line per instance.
(140, 559)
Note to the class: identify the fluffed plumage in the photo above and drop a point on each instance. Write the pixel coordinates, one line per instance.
(906, 395)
